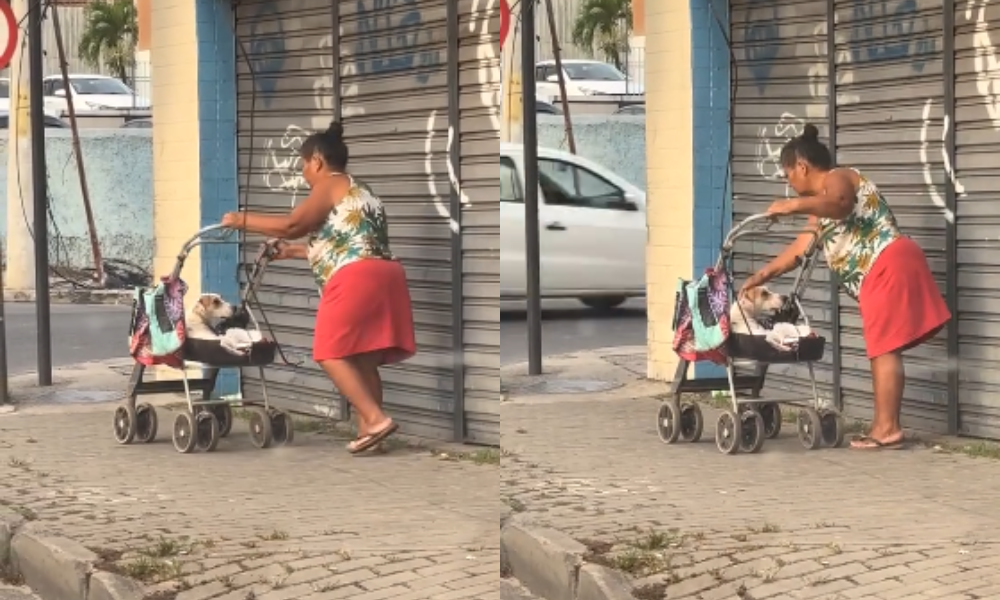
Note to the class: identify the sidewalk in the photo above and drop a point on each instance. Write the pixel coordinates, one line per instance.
(688, 522)
(305, 521)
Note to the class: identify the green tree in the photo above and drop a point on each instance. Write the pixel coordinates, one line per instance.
(602, 27)
(109, 36)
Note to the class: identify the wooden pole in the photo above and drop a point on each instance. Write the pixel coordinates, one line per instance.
(95, 244)
(557, 54)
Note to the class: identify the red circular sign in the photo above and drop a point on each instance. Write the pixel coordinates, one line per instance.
(8, 30)
(504, 20)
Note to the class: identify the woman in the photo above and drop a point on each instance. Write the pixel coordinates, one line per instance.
(885, 271)
(364, 319)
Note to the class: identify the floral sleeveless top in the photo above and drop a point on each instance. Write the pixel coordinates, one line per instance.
(356, 229)
(852, 244)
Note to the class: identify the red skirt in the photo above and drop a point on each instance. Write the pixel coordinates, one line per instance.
(901, 305)
(365, 307)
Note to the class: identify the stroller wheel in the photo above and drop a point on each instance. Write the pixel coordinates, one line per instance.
(668, 421)
(282, 427)
(753, 431)
(224, 414)
(124, 424)
(691, 422)
(206, 431)
(185, 436)
(260, 428)
(771, 413)
(146, 423)
(728, 432)
(832, 427)
(810, 429)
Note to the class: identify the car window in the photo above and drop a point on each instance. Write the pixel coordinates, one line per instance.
(100, 85)
(510, 185)
(567, 184)
(593, 71)
(54, 86)
(4, 89)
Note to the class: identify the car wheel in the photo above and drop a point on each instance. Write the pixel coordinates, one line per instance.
(603, 302)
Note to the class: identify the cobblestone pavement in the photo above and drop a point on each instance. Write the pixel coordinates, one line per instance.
(692, 523)
(303, 522)
(9, 592)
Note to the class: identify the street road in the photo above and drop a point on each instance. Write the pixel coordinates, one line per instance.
(568, 326)
(80, 333)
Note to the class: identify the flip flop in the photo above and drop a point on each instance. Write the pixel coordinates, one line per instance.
(371, 440)
(867, 442)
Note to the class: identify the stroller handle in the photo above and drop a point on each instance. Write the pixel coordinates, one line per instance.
(746, 227)
(213, 234)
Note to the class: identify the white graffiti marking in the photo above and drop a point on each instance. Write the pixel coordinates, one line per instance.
(925, 159)
(283, 165)
(323, 86)
(986, 63)
(770, 142)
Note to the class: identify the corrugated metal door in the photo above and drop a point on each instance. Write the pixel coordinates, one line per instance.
(780, 49)
(890, 126)
(391, 66)
(977, 183)
(476, 103)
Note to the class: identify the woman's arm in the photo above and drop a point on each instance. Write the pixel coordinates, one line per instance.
(306, 217)
(788, 259)
(836, 202)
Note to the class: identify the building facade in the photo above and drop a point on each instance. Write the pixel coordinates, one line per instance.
(904, 91)
(416, 83)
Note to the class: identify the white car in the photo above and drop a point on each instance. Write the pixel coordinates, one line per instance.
(90, 93)
(583, 78)
(592, 230)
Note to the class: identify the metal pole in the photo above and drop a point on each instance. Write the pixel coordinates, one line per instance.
(530, 138)
(95, 244)
(39, 179)
(4, 388)
(557, 54)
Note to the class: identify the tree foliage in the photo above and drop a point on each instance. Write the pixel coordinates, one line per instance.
(602, 27)
(110, 34)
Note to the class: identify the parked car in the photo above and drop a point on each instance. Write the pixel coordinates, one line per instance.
(50, 121)
(141, 123)
(90, 93)
(632, 109)
(583, 78)
(546, 108)
(4, 94)
(592, 230)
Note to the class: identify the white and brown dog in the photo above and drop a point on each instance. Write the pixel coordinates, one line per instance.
(752, 306)
(206, 315)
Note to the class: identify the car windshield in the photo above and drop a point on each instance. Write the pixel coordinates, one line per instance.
(108, 86)
(4, 88)
(594, 71)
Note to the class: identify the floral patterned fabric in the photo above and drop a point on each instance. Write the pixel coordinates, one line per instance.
(853, 244)
(355, 230)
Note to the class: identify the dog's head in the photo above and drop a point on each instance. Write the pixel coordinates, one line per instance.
(759, 301)
(212, 309)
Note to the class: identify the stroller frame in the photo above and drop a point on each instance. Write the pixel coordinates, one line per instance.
(206, 420)
(751, 419)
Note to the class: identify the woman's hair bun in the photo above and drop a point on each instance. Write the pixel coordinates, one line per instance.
(335, 130)
(810, 132)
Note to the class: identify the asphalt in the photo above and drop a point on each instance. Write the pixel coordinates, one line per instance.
(80, 333)
(568, 326)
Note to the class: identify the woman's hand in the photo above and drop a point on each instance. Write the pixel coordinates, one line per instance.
(755, 280)
(234, 220)
(782, 208)
(280, 249)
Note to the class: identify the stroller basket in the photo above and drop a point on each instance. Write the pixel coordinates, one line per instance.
(755, 347)
(211, 352)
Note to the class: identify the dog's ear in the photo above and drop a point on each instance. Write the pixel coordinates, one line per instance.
(206, 301)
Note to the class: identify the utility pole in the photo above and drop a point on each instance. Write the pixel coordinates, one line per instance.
(39, 176)
(557, 54)
(529, 123)
(20, 249)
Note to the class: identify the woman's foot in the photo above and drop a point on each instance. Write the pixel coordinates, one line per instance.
(872, 442)
(373, 437)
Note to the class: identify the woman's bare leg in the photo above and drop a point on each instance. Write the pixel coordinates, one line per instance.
(369, 364)
(888, 379)
(352, 376)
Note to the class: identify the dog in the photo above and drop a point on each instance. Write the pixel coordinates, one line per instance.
(206, 315)
(749, 309)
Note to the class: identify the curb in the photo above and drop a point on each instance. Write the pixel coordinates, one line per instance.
(550, 564)
(73, 296)
(58, 568)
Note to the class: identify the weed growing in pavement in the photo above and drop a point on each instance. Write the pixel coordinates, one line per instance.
(151, 570)
(275, 536)
(164, 548)
(514, 504)
(18, 463)
(648, 554)
(485, 456)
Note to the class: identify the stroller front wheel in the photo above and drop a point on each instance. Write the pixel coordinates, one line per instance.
(728, 432)
(668, 421)
(124, 424)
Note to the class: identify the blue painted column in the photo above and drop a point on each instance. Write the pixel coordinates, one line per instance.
(710, 64)
(215, 31)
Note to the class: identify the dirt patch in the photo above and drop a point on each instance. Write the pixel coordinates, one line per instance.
(653, 591)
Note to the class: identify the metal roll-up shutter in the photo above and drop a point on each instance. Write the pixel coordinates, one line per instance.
(977, 181)
(283, 94)
(781, 66)
(890, 127)
(395, 102)
(479, 133)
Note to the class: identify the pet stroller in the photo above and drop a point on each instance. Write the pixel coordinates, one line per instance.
(157, 336)
(702, 333)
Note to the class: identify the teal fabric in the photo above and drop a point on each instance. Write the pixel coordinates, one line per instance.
(163, 336)
(705, 337)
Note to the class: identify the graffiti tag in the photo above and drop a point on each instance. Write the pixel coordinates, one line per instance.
(267, 48)
(888, 33)
(986, 63)
(282, 165)
(391, 43)
(761, 38)
(771, 140)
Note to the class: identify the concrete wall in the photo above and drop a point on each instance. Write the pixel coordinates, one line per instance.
(119, 166)
(616, 141)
